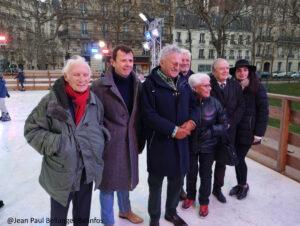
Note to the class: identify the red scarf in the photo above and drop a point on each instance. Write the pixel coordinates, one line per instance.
(79, 101)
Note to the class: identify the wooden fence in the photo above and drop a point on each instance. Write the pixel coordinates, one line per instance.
(36, 80)
(280, 150)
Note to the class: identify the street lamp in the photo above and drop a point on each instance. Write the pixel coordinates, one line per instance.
(153, 37)
(143, 17)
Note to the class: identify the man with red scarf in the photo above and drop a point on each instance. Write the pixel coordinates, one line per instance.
(67, 129)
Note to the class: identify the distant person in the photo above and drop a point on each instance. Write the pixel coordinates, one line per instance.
(253, 125)
(67, 129)
(1, 203)
(21, 78)
(3, 94)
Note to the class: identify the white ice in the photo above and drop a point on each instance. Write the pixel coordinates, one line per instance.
(273, 198)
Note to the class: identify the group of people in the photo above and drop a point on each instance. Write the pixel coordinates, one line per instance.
(93, 134)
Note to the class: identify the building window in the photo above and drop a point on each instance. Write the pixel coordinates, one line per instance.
(240, 54)
(231, 54)
(204, 67)
(241, 40)
(83, 7)
(211, 54)
(202, 38)
(248, 40)
(125, 28)
(125, 11)
(84, 29)
(232, 40)
(178, 37)
(247, 56)
(279, 64)
(224, 54)
(201, 54)
(289, 66)
(299, 67)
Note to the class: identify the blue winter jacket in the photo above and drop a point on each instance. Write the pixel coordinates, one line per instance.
(3, 89)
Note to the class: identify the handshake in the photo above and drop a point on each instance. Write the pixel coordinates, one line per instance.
(185, 129)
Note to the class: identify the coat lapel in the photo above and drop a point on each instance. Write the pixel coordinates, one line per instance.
(107, 80)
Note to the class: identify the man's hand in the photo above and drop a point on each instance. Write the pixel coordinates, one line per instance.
(182, 133)
(188, 125)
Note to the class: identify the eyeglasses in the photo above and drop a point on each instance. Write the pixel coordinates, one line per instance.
(206, 85)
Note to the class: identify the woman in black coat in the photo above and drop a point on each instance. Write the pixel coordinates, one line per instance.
(254, 122)
(212, 124)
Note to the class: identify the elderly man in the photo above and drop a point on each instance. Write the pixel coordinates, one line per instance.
(119, 91)
(185, 73)
(169, 114)
(229, 93)
(67, 128)
(185, 65)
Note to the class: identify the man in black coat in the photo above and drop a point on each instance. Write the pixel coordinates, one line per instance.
(185, 73)
(169, 115)
(230, 94)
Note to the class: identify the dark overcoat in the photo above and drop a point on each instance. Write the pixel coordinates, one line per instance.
(163, 108)
(231, 98)
(255, 117)
(121, 152)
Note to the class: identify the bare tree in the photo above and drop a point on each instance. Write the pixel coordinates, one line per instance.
(219, 18)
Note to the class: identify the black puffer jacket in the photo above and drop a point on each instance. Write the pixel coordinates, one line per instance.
(213, 123)
(255, 117)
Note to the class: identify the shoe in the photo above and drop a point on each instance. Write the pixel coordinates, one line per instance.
(235, 190)
(176, 220)
(132, 217)
(1, 203)
(219, 195)
(154, 222)
(182, 195)
(203, 210)
(5, 117)
(187, 203)
(243, 193)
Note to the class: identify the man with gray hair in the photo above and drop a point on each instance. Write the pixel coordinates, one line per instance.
(230, 94)
(169, 115)
(185, 65)
(185, 73)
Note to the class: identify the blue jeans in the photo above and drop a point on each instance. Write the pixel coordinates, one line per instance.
(107, 205)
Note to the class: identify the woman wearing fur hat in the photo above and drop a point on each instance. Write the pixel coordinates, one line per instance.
(254, 122)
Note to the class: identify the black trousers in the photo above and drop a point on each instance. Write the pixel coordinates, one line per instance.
(219, 175)
(173, 190)
(241, 168)
(205, 171)
(81, 207)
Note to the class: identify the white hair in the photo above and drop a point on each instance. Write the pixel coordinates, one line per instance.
(167, 50)
(197, 79)
(218, 60)
(187, 52)
(74, 60)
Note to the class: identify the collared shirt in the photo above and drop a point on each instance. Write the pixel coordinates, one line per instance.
(167, 79)
(222, 84)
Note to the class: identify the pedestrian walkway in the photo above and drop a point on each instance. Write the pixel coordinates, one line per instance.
(273, 198)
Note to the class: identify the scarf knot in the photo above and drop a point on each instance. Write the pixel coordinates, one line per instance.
(79, 100)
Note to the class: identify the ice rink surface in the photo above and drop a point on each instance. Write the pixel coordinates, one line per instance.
(273, 199)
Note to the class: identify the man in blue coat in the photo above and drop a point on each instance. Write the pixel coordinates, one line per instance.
(169, 114)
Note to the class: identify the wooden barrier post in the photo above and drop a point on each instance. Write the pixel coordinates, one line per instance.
(284, 135)
(49, 79)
